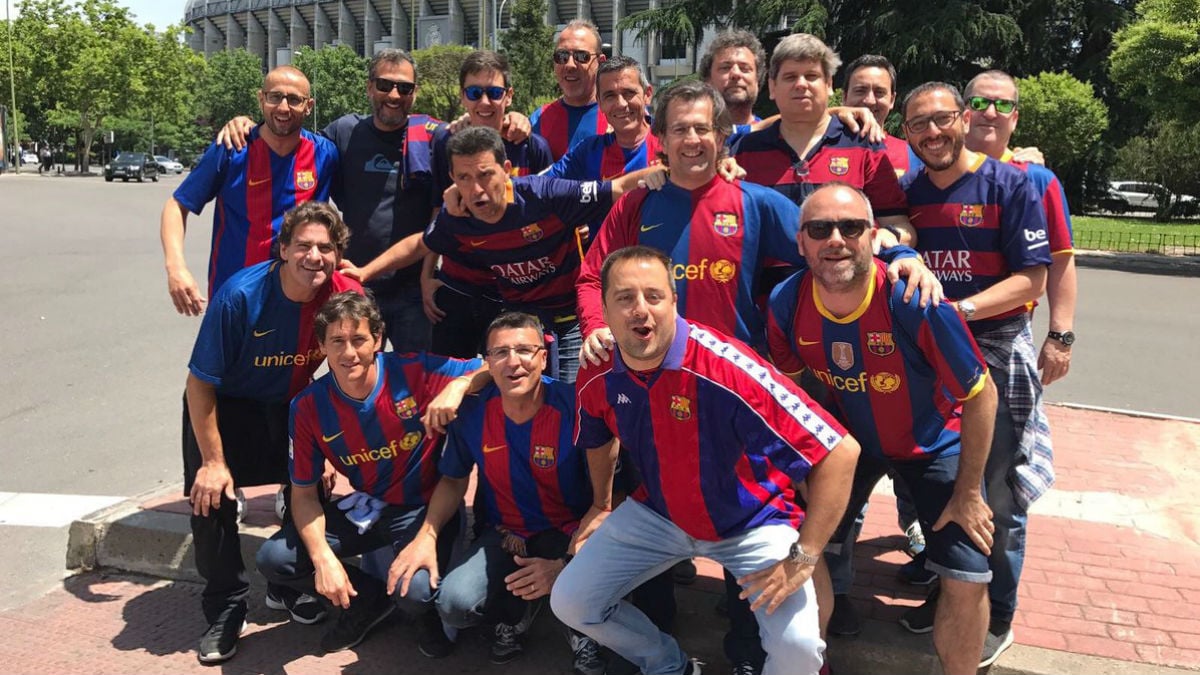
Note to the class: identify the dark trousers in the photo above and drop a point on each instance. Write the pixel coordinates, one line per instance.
(461, 333)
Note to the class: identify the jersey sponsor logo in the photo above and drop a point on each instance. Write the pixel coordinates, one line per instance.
(406, 408)
(526, 272)
(854, 385)
(588, 192)
(681, 407)
(885, 382)
(387, 452)
(255, 183)
(880, 343)
(806, 343)
(305, 180)
(971, 215)
(532, 233)
(622, 398)
(492, 448)
(647, 228)
(720, 270)
(543, 456)
(839, 166)
(330, 439)
(411, 439)
(726, 224)
(283, 359)
(1037, 238)
(843, 354)
(949, 265)
(263, 333)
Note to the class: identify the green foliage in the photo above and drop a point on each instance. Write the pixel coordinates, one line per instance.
(1062, 116)
(338, 77)
(1157, 57)
(529, 46)
(228, 88)
(1167, 155)
(437, 80)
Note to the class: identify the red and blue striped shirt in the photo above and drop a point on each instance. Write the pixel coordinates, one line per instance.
(565, 125)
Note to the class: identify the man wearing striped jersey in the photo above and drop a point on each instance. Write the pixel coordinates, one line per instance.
(719, 437)
(575, 115)
(912, 387)
(871, 83)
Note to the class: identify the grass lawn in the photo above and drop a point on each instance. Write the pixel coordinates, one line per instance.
(1144, 225)
(1143, 235)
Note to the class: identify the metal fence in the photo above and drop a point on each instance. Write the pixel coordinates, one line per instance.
(1139, 242)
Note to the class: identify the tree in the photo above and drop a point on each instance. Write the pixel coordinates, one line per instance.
(228, 88)
(1062, 116)
(437, 73)
(338, 77)
(1157, 58)
(529, 45)
(1167, 155)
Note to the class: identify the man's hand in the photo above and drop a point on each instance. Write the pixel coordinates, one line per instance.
(233, 135)
(420, 554)
(332, 582)
(429, 286)
(453, 200)
(534, 579)
(919, 277)
(457, 125)
(1030, 155)
(729, 170)
(597, 346)
(185, 293)
(516, 127)
(971, 512)
(212, 480)
(587, 527)
(773, 585)
(353, 271)
(443, 409)
(1054, 360)
(861, 121)
(655, 180)
(329, 477)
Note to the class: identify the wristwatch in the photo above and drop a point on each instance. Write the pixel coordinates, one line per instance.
(1067, 337)
(798, 556)
(967, 309)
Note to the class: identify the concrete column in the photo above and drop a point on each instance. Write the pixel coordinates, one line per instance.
(235, 35)
(346, 26)
(214, 39)
(402, 24)
(277, 39)
(372, 28)
(322, 27)
(618, 36)
(299, 30)
(256, 36)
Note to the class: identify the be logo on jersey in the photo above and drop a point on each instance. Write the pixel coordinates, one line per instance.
(543, 456)
(726, 224)
(971, 215)
(532, 233)
(839, 166)
(406, 408)
(880, 344)
(305, 180)
(681, 408)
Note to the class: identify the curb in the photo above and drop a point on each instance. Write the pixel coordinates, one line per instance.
(1141, 263)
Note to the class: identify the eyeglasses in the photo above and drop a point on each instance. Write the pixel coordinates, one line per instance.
(277, 97)
(385, 86)
(851, 228)
(1003, 105)
(475, 92)
(581, 56)
(919, 125)
(523, 352)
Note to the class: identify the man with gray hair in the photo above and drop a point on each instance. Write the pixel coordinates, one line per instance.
(733, 65)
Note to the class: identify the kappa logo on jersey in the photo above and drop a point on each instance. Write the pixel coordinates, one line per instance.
(532, 233)
(843, 354)
(839, 166)
(411, 440)
(681, 407)
(406, 408)
(885, 382)
(880, 344)
(622, 398)
(588, 192)
(543, 456)
(971, 215)
(305, 180)
(726, 224)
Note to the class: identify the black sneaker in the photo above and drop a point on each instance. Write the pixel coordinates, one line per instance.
(219, 642)
(684, 572)
(431, 636)
(914, 572)
(995, 644)
(692, 667)
(506, 646)
(844, 620)
(587, 659)
(744, 668)
(304, 608)
(920, 619)
(353, 624)
(532, 609)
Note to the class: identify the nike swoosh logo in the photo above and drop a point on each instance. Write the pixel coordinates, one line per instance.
(492, 448)
(805, 343)
(647, 228)
(255, 183)
(261, 333)
(478, 243)
(331, 438)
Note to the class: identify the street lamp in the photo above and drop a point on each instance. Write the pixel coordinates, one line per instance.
(499, 12)
(12, 84)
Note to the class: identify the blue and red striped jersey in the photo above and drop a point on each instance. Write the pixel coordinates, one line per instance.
(901, 155)
(717, 433)
(533, 250)
(378, 443)
(254, 187)
(602, 158)
(254, 342)
(897, 371)
(717, 235)
(533, 477)
(986, 225)
(565, 125)
(1054, 201)
(838, 156)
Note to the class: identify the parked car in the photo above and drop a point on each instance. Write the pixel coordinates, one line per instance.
(29, 157)
(1132, 195)
(167, 165)
(128, 165)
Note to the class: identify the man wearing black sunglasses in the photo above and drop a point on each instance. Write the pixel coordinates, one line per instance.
(575, 115)
(911, 385)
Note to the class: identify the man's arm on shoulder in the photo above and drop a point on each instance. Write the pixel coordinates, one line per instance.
(403, 253)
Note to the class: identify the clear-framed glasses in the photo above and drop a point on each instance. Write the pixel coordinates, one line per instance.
(523, 352)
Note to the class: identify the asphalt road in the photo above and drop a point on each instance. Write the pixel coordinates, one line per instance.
(94, 355)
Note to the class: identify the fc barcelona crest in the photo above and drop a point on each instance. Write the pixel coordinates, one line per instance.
(681, 408)
(726, 224)
(532, 233)
(406, 408)
(880, 344)
(305, 180)
(543, 456)
(843, 354)
(839, 166)
(971, 215)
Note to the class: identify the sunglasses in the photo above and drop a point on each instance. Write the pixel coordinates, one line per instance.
(942, 120)
(277, 97)
(385, 86)
(850, 228)
(476, 92)
(581, 56)
(1003, 105)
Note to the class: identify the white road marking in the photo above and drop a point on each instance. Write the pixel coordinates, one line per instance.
(31, 509)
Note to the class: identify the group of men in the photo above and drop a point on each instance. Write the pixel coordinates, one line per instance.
(744, 367)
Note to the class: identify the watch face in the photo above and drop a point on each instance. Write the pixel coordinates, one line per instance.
(1068, 338)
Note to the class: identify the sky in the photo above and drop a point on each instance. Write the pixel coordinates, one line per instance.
(161, 13)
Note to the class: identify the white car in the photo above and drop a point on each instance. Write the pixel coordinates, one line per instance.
(1131, 195)
(167, 165)
(29, 157)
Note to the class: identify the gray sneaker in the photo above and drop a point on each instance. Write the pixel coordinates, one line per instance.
(994, 645)
(507, 645)
(587, 659)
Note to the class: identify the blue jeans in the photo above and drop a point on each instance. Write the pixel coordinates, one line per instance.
(473, 592)
(635, 544)
(1010, 519)
(841, 564)
(404, 320)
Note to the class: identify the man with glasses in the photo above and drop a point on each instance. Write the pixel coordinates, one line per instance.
(281, 166)
(534, 487)
(992, 112)
(983, 232)
(575, 115)
(913, 388)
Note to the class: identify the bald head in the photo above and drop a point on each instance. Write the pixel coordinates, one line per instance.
(285, 100)
(836, 196)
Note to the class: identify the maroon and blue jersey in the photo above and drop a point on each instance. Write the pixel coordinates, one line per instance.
(717, 235)
(378, 443)
(901, 155)
(839, 156)
(897, 372)
(531, 475)
(565, 125)
(533, 250)
(981, 229)
(254, 187)
(1054, 201)
(602, 158)
(254, 342)
(717, 434)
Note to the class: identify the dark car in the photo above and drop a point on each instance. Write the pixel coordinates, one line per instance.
(128, 165)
